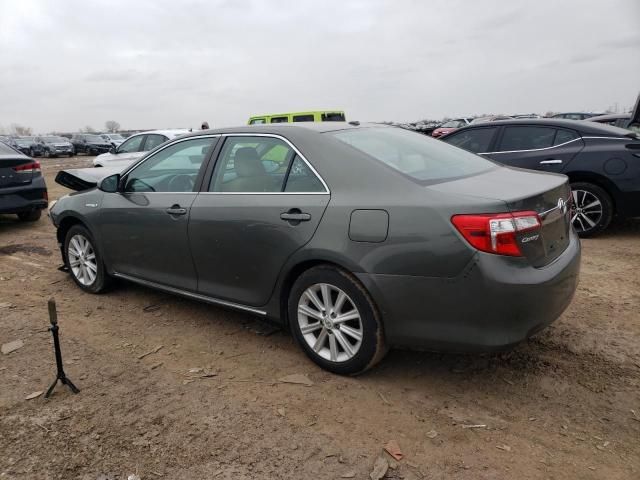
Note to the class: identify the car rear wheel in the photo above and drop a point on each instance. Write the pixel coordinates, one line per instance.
(335, 321)
(32, 216)
(84, 260)
(591, 209)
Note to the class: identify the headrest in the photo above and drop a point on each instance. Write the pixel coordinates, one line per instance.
(247, 163)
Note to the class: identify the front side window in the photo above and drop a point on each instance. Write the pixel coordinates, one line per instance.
(252, 164)
(172, 169)
(477, 140)
(131, 145)
(153, 141)
(527, 138)
(279, 119)
(422, 158)
(303, 118)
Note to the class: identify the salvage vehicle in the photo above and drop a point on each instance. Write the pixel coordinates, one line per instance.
(450, 126)
(22, 187)
(90, 143)
(356, 237)
(602, 162)
(135, 147)
(54, 146)
(317, 116)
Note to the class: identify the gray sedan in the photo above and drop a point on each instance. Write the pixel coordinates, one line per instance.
(356, 237)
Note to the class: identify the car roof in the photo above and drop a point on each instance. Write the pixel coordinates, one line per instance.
(585, 128)
(284, 128)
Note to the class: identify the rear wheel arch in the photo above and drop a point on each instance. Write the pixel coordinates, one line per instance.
(297, 270)
(603, 182)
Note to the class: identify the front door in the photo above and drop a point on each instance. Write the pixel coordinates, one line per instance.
(144, 227)
(262, 204)
(537, 147)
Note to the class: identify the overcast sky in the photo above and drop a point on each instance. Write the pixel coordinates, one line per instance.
(153, 64)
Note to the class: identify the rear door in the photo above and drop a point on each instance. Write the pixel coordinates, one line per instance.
(536, 147)
(263, 202)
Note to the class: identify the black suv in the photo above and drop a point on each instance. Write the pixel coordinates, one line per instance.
(90, 143)
(602, 162)
(54, 146)
(26, 145)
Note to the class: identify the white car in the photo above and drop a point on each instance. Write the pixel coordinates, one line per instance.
(135, 147)
(115, 139)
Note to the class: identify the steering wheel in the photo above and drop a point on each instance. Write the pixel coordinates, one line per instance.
(181, 183)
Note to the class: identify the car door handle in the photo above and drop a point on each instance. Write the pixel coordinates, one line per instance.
(551, 161)
(295, 215)
(176, 210)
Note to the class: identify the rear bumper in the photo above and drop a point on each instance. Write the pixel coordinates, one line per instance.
(495, 303)
(24, 198)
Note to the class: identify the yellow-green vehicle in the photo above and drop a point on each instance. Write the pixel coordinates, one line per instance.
(319, 116)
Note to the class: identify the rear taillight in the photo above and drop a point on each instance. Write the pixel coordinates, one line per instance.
(31, 167)
(496, 232)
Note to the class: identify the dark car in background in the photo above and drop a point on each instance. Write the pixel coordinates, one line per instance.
(90, 143)
(54, 146)
(22, 188)
(375, 236)
(602, 162)
(27, 145)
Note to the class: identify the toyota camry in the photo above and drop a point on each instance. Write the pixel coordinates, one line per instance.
(355, 237)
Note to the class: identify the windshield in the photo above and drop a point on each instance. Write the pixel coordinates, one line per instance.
(413, 154)
(93, 138)
(54, 139)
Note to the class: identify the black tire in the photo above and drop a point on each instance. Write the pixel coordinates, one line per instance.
(593, 220)
(371, 348)
(32, 216)
(102, 280)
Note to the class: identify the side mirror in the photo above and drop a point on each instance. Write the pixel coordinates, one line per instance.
(110, 184)
(113, 149)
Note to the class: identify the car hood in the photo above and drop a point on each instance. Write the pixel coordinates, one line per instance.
(84, 178)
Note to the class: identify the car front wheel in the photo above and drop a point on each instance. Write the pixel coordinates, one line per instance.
(591, 209)
(84, 260)
(335, 321)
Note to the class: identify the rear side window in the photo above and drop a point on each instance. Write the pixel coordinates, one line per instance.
(527, 138)
(564, 136)
(477, 140)
(279, 119)
(302, 179)
(303, 118)
(153, 141)
(332, 117)
(422, 158)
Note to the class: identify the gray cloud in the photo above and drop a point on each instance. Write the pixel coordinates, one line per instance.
(154, 63)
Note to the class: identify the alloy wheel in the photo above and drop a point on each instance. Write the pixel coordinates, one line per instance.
(330, 322)
(82, 260)
(586, 211)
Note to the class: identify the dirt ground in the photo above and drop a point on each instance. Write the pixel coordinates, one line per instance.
(208, 404)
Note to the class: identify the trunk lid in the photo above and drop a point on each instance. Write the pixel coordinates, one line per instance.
(15, 170)
(84, 178)
(547, 194)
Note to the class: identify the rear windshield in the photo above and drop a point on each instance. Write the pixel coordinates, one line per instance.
(6, 149)
(413, 154)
